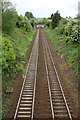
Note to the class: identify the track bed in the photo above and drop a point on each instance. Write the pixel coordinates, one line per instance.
(42, 95)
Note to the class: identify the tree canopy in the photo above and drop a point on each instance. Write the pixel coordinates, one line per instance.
(9, 16)
(29, 15)
(55, 19)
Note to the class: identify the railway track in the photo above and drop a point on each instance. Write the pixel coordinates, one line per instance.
(25, 106)
(60, 108)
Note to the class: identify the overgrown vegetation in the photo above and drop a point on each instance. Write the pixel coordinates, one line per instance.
(14, 50)
(65, 40)
(17, 36)
(23, 23)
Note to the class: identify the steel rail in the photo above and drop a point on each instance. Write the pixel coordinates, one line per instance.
(59, 82)
(35, 78)
(24, 80)
(48, 85)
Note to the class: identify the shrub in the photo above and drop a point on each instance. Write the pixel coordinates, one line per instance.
(8, 56)
(23, 23)
(71, 30)
(60, 31)
(64, 21)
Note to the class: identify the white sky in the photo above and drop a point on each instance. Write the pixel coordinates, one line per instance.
(44, 8)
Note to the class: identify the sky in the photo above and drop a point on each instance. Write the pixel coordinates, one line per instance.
(44, 8)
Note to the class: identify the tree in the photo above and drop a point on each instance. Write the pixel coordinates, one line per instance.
(27, 24)
(29, 15)
(23, 23)
(8, 21)
(51, 15)
(7, 5)
(32, 23)
(9, 16)
(55, 19)
(19, 21)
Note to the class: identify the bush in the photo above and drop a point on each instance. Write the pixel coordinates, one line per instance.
(27, 26)
(23, 23)
(71, 30)
(8, 56)
(48, 23)
(64, 21)
(60, 31)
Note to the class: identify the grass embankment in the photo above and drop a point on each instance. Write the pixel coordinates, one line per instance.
(65, 41)
(14, 48)
(17, 34)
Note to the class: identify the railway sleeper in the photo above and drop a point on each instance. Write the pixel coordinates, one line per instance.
(28, 88)
(59, 107)
(26, 101)
(57, 97)
(60, 111)
(27, 93)
(56, 90)
(58, 100)
(54, 83)
(58, 103)
(28, 85)
(26, 98)
(25, 108)
(23, 116)
(24, 112)
(26, 105)
(65, 116)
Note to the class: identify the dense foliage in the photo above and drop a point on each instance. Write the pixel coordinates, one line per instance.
(55, 19)
(8, 53)
(65, 40)
(14, 48)
(47, 21)
(23, 23)
(8, 20)
(29, 15)
(17, 35)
